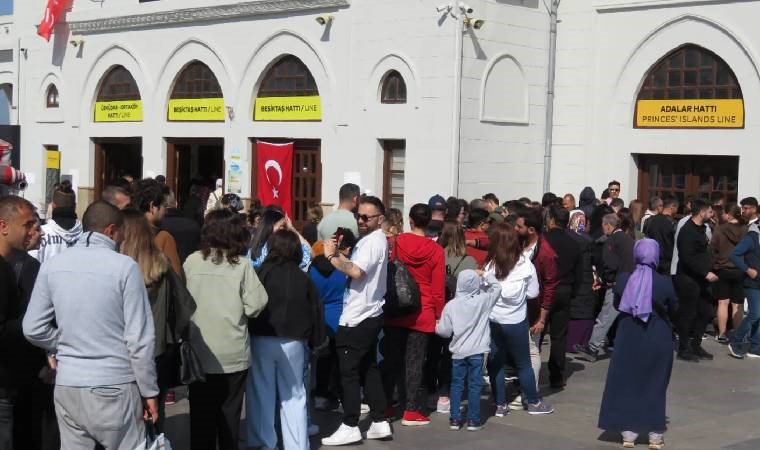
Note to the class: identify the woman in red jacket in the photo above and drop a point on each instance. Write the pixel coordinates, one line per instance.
(406, 338)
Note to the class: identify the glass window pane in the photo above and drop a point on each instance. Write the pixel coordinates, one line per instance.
(659, 77)
(692, 58)
(707, 60)
(723, 77)
(674, 93)
(397, 182)
(674, 78)
(690, 78)
(658, 94)
(690, 93)
(675, 61)
(706, 93)
(706, 77)
(723, 93)
(398, 160)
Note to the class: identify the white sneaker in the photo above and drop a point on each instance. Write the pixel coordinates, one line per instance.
(344, 435)
(313, 430)
(752, 355)
(516, 404)
(443, 406)
(379, 430)
(364, 408)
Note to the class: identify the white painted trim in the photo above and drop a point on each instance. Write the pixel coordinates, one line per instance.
(188, 15)
(622, 5)
(525, 119)
(45, 114)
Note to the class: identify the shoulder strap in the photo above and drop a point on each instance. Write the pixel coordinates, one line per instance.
(458, 264)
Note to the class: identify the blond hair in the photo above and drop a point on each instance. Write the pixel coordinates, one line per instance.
(139, 245)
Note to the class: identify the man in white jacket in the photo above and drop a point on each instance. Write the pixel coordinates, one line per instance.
(62, 230)
(215, 198)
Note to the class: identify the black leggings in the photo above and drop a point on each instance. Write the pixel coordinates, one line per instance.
(405, 352)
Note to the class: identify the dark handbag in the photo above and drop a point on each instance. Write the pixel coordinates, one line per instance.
(402, 295)
(190, 368)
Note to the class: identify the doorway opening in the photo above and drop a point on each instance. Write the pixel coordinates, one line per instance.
(685, 176)
(307, 175)
(197, 161)
(116, 158)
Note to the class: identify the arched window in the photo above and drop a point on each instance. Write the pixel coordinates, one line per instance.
(196, 81)
(51, 97)
(288, 77)
(394, 88)
(690, 72)
(118, 85)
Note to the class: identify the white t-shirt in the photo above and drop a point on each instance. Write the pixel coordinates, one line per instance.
(364, 297)
(520, 284)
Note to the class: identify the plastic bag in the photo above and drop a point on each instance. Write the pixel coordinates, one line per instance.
(153, 440)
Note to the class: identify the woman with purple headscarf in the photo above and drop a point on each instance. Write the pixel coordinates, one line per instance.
(639, 373)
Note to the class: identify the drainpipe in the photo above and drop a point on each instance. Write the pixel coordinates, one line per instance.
(550, 92)
(457, 113)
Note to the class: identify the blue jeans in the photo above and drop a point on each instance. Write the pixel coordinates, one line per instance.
(509, 342)
(470, 369)
(749, 325)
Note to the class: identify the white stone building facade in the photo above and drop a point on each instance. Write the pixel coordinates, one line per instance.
(474, 116)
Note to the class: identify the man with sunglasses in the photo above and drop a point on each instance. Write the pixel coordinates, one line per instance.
(360, 323)
(614, 188)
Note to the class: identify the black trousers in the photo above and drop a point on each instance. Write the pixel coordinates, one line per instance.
(35, 425)
(328, 375)
(404, 357)
(558, 320)
(357, 359)
(7, 401)
(695, 310)
(215, 407)
(438, 365)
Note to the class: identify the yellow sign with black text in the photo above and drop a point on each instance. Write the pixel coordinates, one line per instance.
(288, 109)
(702, 113)
(196, 110)
(121, 111)
(53, 159)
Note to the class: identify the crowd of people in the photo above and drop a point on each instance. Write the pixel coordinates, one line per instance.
(100, 318)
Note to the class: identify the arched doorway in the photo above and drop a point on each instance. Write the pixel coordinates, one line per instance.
(118, 100)
(689, 88)
(196, 97)
(288, 93)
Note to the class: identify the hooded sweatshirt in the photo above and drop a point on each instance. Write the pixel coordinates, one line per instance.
(586, 201)
(725, 238)
(465, 317)
(60, 233)
(426, 263)
(520, 284)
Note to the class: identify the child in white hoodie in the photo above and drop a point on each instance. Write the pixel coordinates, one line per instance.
(465, 321)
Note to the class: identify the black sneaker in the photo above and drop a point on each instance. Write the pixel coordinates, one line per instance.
(701, 353)
(586, 353)
(722, 340)
(456, 424)
(688, 356)
(474, 425)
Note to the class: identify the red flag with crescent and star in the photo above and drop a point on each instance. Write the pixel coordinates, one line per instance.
(275, 174)
(53, 12)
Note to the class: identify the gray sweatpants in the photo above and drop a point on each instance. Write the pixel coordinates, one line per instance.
(604, 321)
(109, 415)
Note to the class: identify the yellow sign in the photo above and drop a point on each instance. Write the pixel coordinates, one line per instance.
(196, 110)
(53, 159)
(122, 111)
(288, 109)
(703, 113)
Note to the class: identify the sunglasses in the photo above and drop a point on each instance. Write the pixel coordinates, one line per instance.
(366, 218)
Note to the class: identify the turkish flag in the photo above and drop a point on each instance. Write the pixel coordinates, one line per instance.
(275, 174)
(53, 13)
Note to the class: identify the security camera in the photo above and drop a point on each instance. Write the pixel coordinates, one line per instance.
(324, 19)
(465, 8)
(444, 8)
(475, 23)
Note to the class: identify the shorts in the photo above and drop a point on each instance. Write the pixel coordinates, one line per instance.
(729, 285)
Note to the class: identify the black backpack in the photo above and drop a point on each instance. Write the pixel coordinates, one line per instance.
(402, 295)
(451, 279)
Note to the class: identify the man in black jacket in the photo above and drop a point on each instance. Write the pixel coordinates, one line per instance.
(17, 225)
(693, 277)
(186, 232)
(662, 228)
(617, 257)
(570, 274)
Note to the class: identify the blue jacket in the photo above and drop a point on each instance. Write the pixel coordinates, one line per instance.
(104, 334)
(746, 254)
(331, 284)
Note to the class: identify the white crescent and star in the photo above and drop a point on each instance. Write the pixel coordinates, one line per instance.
(276, 166)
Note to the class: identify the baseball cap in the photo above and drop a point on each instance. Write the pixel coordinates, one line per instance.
(437, 203)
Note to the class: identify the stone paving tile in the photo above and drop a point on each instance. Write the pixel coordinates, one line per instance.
(711, 405)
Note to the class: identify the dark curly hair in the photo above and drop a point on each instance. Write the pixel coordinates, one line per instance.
(147, 192)
(225, 235)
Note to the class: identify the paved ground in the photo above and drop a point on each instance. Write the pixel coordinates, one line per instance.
(713, 405)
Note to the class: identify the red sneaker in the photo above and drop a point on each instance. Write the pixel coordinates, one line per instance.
(414, 419)
(170, 398)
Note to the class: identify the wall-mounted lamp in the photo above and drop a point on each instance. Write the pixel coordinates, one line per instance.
(24, 51)
(324, 19)
(76, 42)
(474, 23)
(231, 112)
(465, 8)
